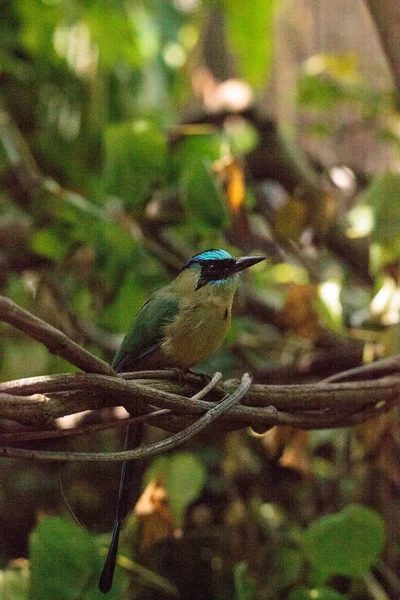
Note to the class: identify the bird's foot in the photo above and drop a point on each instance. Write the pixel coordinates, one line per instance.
(205, 379)
(181, 375)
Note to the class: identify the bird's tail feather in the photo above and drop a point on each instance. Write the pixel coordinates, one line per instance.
(133, 439)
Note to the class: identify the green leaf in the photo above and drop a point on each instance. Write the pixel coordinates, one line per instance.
(329, 306)
(184, 477)
(321, 593)
(111, 51)
(159, 467)
(317, 92)
(136, 154)
(245, 588)
(250, 29)
(383, 196)
(193, 148)
(65, 563)
(346, 543)
(48, 243)
(202, 197)
(38, 22)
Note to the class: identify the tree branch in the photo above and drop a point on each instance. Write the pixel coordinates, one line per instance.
(346, 399)
(386, 15)
(29, 436)
(144, 451)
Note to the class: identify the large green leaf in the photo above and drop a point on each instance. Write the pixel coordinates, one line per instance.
(65, 563)
(346, 543)
(183, 475)
(250, 28)
(136, 155)
(102, 29)
(203, 198)
(186, 479)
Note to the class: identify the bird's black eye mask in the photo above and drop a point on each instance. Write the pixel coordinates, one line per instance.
(214, 270)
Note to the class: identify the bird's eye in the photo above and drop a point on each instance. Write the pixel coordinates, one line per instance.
(212, 268)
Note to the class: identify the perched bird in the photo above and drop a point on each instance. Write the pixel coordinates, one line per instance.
(179, 326)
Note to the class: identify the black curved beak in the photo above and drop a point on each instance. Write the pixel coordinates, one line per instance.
(244, 262)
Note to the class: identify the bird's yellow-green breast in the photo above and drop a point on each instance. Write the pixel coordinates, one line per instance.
(202, 320)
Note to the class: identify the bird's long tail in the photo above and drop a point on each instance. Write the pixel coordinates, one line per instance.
(133, 439)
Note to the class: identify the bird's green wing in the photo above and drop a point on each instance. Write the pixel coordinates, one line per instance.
(146, 332)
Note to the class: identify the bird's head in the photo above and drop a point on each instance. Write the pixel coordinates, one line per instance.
(218, 266)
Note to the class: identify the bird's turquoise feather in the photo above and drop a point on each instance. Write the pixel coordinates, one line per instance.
(146, 332)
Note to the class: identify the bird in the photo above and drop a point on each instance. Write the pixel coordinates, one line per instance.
(179, 326)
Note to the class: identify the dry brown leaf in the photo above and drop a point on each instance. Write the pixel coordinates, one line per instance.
(291, 445)
(155, 518)
(235, 185)
(381, 439)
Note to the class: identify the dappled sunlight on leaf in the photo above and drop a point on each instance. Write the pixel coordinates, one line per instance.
(290, 446)
(230, 95)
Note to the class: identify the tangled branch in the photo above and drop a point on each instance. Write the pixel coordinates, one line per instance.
(184, 409)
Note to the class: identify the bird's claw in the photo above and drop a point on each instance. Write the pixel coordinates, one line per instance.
(181, 375)
(204, 378)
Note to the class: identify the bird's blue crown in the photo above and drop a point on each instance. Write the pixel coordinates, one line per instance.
(208, 255)
(214, 267)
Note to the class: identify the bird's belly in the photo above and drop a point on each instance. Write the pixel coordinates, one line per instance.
(195, 336)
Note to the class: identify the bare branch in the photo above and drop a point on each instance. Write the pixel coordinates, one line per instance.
(29, 436)
(145, 451)
(381, 368)
(348, 398)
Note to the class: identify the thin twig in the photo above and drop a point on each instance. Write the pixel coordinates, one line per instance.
(208, 387)
(381, 368)
(145, 451)
(29, 436)
(67, 504)
(151, 578)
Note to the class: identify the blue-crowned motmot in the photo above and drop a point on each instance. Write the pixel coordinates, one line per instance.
(179, 326)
